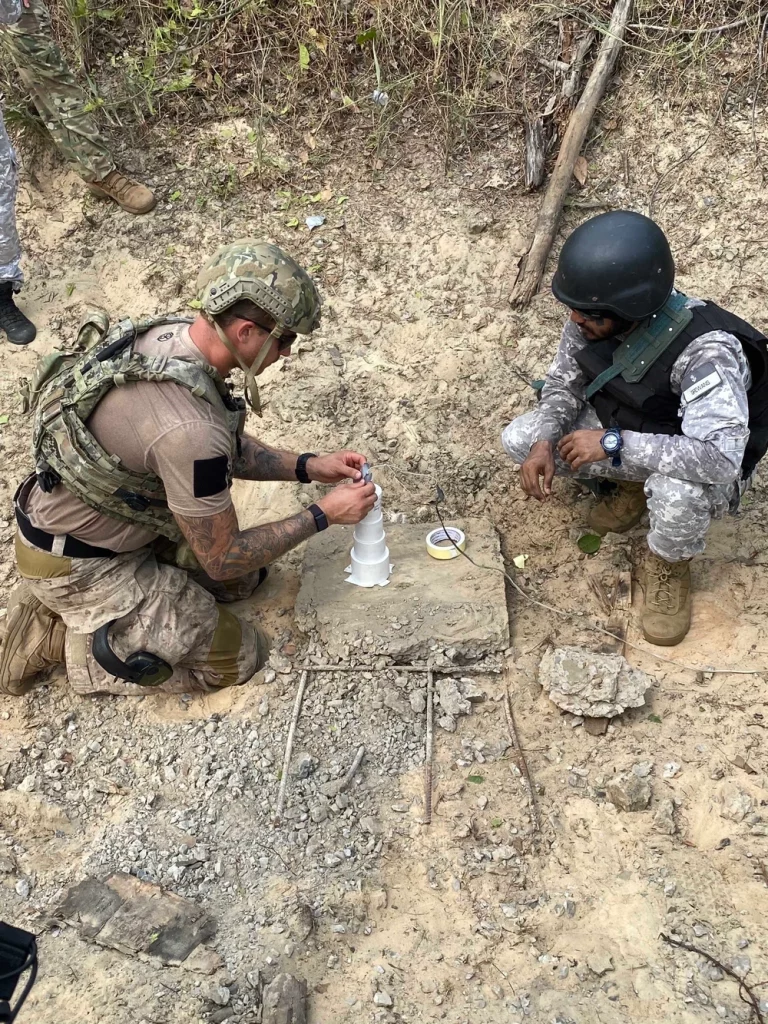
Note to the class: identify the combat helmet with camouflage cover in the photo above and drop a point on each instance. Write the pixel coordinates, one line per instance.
(269, 278)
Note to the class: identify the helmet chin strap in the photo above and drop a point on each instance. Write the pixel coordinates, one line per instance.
(251, 388)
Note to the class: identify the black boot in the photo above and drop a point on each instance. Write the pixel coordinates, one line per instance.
(18, 328)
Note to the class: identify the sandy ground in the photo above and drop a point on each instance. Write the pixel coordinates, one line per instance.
(419, 363)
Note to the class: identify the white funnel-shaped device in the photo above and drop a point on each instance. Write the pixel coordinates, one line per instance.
(370, 555)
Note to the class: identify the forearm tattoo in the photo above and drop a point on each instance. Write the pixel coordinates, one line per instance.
(260, 462)
(225, 552)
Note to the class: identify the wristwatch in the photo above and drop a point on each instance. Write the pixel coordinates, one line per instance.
(612, 443)
(301, 467)
(321, 519)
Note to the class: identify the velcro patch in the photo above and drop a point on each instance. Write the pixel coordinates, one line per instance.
(210, 476)
(701, 381)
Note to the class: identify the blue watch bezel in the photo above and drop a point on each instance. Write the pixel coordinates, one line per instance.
(613, 454)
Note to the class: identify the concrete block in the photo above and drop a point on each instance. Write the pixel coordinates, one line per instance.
(429, 604)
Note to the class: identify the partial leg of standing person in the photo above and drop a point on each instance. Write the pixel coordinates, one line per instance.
(63, 107)
(18, 328)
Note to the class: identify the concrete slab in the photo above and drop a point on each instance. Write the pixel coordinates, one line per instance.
(429, 604)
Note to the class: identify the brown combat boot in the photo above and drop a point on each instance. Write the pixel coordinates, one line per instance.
(129, 194)
(33, 640)
(667, 612)
(620, 511)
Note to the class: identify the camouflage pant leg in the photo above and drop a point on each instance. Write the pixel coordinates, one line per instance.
(680, 513)
(155, 608)
(60, 101)
(10, 249)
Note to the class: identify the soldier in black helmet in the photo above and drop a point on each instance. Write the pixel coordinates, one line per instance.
(665, 394)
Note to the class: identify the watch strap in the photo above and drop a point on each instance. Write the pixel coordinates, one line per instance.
(321, 519)
(301, 467)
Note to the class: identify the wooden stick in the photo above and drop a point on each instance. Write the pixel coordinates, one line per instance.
(535, 153)
(520, 760)
(289, 745)
(532, 264)
(430, 747)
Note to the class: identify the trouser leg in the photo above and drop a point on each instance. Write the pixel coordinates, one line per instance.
(60, 101)
(680, 513)
(10, 248)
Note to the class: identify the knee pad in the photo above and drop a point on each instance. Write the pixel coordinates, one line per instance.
(141, 667)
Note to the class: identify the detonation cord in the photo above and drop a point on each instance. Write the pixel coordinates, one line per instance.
(567, 613)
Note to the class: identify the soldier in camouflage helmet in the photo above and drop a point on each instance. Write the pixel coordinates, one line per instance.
(128, 541)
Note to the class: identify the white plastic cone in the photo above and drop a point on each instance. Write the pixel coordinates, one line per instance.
(370, 565)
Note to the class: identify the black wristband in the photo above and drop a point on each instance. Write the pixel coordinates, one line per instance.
(301, 467)
(321, 519)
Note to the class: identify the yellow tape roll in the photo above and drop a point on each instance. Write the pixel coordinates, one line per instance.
(439, 542)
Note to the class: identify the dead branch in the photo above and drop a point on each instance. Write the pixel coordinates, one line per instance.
(522, 764)
(532, 264)
(289, 745)
(573, 81)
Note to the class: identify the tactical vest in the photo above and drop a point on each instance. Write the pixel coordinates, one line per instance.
(649, 405)
(67, 453)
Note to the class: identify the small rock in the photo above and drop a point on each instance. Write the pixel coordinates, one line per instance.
(382, 998)
(219, 994)
(643, 769)
(332, 860)
(218, 1016)
(471, 691)
(741, 965)
(451, 700)
(319, 812)
(670, 770)
(699, 929)
(590, 684)
(27, 784)
(447, 723)
(306, 765)
(629, 793)
(735, 804)
(418, 701)
(599, 963)
(371, 825)
(663, 819)
(23, 888)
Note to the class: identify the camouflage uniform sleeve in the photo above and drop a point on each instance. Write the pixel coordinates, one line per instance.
(10, 11)
(712, 377)
(562, 397)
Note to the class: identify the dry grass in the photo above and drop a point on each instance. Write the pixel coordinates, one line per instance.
(463, 71)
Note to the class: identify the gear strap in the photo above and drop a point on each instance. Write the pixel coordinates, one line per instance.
(251, 387)
(646, 343)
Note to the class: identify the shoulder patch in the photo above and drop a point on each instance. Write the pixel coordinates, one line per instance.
(210, 476)
(701, 381)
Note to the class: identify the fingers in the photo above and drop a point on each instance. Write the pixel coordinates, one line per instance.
(549, 476)
(529, 476)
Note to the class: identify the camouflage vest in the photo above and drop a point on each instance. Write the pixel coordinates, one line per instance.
(68, 388)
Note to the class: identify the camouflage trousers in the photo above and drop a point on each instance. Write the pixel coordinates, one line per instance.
(10, 249)
(60, 101)
(680, 510)
(156, 607)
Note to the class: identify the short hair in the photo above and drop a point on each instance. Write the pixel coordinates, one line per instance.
(244, 309)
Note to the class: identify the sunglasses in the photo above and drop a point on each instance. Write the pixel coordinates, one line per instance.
(284, 341)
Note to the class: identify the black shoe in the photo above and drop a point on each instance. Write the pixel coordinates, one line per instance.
(18, 328)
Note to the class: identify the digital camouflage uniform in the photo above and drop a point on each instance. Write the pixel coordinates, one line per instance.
(689, 478)
(10, 250)
(60, 101)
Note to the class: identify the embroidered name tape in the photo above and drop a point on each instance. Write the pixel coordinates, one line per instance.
(701, 381)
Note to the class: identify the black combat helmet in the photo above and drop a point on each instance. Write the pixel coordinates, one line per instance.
(619, 262)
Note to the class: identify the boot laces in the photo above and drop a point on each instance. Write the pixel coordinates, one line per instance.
(117, 183)
(661, 580)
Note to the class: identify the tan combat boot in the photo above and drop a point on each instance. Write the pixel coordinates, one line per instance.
(620, 511)
(129, 194)
(667, 611)
(32, 640)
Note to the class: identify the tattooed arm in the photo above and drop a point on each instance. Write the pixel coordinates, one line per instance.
(258, 461)
(226, 552)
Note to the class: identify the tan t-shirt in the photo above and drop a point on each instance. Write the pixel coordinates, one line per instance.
(160, 427)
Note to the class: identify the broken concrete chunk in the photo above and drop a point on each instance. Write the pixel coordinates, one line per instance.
(663, 819)
(629, 793)
(136, 917)
(447, 722)
(451, 700)
(395, 702)
(471, 691)
(590, 684)
(285, 1001)
(203, 961)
